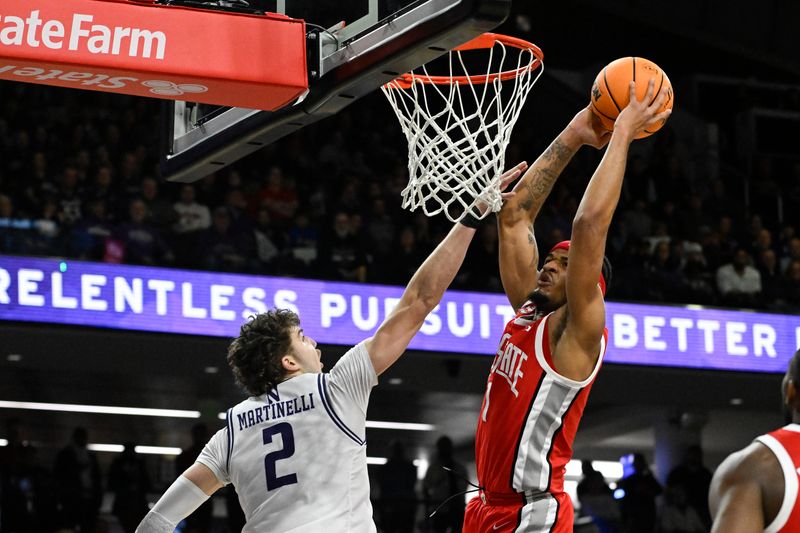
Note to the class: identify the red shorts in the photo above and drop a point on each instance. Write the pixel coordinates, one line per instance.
(550, 514)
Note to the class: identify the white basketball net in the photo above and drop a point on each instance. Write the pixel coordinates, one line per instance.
(458, 132)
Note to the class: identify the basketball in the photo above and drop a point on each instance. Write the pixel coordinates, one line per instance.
(610, 92)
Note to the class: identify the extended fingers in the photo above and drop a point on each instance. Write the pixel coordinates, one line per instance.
(662, 97)
(507, 195)
(664, 115)
(648, 97)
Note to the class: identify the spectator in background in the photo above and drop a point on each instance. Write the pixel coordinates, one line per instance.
(727, 238)
(343, 252)
(128, 480)
(200, 520)
(143, 244)
(280, 200)
(267, 252)
(792, 284)
(192, 215)
(222, 248)
(88, 237)
(160, 213)
(103, 188)
(406, 255)
(660, 234)
(663, 273)
(638, 505)
(763, 241)
(236, 205)
(70, 200)
(792, 253)
(445, 478)
(27, 502)
(78, 485)
(694, 479)
(677, 516)
(696, 278)
(397, 480)
(39, 183)
(14, 238)
(597, 500)
(739, 283)
(771, 278)
(303, 241)
(47, 229)
(380, 234)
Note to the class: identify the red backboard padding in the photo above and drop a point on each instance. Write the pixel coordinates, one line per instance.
(155, 51)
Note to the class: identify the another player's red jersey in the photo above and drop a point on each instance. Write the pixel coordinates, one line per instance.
(529, 418)
(785, 444)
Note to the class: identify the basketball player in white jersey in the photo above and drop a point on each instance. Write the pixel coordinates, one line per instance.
(755, 490)
(551, 351)
(295, 449)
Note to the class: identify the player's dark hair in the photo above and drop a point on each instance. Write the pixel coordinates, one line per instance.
(607, 272)
(255, 355)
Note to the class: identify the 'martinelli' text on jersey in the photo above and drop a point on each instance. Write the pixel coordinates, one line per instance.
(785, 445)
(297, 455)
(530, 413)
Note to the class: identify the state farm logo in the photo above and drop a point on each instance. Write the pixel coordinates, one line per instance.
(80, 34)
(93, 80)
(168, 88)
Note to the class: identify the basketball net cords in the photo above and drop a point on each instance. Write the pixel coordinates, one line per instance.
(452, 496)
(439, 166)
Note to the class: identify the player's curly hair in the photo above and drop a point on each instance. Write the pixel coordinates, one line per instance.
(255, 355)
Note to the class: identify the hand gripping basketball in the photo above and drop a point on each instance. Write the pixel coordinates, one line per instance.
(638, 115)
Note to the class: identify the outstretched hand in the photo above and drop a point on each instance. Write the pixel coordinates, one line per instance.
(638, 115)
(507, 178)
(587, 128)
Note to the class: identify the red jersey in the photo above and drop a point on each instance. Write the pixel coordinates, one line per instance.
(785, 444)
(530, 415)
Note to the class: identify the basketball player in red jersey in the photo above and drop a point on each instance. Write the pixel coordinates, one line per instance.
(550, 352)
(755, 489)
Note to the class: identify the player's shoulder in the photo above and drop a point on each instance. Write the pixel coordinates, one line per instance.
(754, 463)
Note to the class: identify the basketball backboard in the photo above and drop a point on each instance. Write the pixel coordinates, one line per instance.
(353, 48)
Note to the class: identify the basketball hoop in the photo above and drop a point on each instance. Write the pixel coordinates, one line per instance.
(458, 125)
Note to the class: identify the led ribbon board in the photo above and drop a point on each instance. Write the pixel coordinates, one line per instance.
(156, 51)
(209, 303)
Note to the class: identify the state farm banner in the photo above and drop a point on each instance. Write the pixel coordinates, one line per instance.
(207, 303)
(214, 57)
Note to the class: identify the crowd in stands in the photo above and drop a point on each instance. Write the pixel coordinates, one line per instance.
(79, 179)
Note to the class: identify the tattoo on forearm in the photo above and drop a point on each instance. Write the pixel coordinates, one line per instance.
(545, 172)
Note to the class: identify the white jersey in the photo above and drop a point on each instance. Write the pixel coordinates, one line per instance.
(297, 455)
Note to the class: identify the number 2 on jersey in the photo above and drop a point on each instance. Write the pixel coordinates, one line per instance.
(287, 436)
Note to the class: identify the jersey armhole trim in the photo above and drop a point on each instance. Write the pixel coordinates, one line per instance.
(789, 479)
(539, 350)
(322, 385)
(229, 422)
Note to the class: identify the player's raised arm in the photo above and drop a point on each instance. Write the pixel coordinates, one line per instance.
(425, 290)
(585, 308)
(519, 257)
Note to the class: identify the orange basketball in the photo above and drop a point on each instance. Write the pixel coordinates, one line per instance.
(611, 93)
